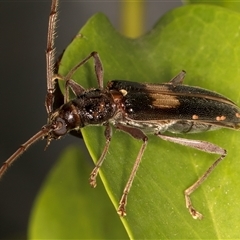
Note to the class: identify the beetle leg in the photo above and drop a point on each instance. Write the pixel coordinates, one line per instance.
(94, 173)
(97, 66)
(178, 79)
(138, 134)
(76, 88)
(205, 147)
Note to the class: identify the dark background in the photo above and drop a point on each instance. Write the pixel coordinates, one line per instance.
(23, 31)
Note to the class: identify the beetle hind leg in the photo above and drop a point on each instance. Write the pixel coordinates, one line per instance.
(205, 147)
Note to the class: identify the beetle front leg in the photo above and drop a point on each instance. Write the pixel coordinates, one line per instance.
(76, 88)
(97, 67)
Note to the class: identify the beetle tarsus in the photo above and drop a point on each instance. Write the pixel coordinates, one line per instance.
(122, 205)
(92, 179)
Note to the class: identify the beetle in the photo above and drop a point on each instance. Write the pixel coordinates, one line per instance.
(135, 108)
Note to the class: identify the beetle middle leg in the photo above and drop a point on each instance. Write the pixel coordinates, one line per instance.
(205, 147)
(138, 134)
(94, 173)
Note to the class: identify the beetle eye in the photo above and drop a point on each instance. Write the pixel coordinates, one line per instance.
(60, 127)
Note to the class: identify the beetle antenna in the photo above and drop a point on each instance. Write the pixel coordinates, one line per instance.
(42, 133)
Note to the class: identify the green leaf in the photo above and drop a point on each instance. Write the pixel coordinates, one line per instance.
(232, 5)
(204, 41)
(66, 209)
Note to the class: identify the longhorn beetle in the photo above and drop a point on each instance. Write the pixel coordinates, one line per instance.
(134, 108)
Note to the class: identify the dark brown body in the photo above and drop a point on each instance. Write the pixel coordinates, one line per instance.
(152, 108)
(185, 108)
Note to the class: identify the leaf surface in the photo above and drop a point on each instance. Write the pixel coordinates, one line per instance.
(204, 41)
